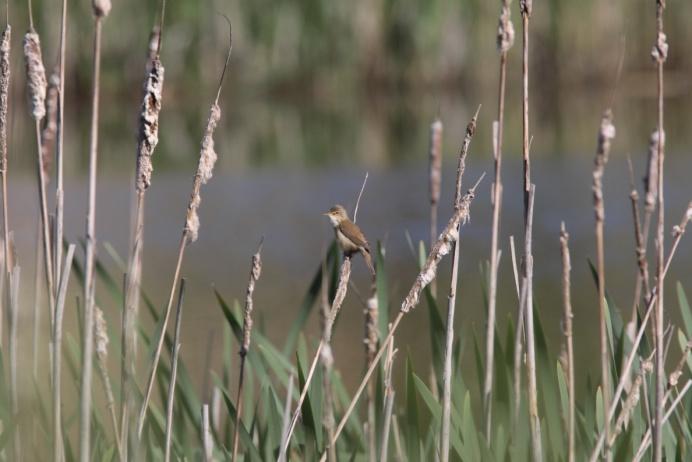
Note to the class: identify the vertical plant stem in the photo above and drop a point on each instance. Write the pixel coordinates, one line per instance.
(642, 281)
(174, 371)
(505, 40)
(207, 440)
(435, 168)
(388, 399)
(567, 304)
(287, 415)
(659, 54)
(60, 139)
(4, 108)
(90, 238)
(451, 303)
(255, 272)
(327, 360)
(13, 291)
(58, 452)
(606, 134)
(371, 337)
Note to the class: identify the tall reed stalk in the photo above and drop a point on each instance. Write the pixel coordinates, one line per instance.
(174, 372)
(146, 144)
(4, 108)
(435, 171)
(59, 145)
(255, 272)
(659, 53)
(205, 168)
(101, 8)
(567, 317)
(505, 40)
(526, 7)
(327, 360)
(451, 302)
(606, 134)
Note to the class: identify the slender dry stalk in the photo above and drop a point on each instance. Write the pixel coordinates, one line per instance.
(631, 401)
(13, 291)
(101, 341)
(205, 168)
(255, 271)
(389, 395)
(659, 53)
(640, 248)
(435, 170)
(58, 452)
(100, 9)
(451, 302)
(60, 138)
(505, 40)
(606, 134)
(441, 248)
(4, 108)
(371, 337)
(287, 415)
(646, 441)
(567, 303)
(147, 141)
(518, 338)
(207, 440)
(36, 318)
(678, 232)
(174, 371)
(327, 360)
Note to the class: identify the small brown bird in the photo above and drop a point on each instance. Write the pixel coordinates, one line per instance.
(349, 236)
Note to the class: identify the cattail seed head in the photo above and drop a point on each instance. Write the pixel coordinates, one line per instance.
(659, 52)
(505, 29)
(50, 123)
(205, 168)
(255, 272)
(101, 335)
(36, 74)
(101, 8)
(149, 124)
(4, 93)
(435, 160)
(651, 178)
(525, 6)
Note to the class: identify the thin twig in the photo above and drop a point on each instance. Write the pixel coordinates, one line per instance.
(287, 415)
(59, 191)
(13, 291)
(389, 395)
(5, 43)
(451, 303)
(360, 194)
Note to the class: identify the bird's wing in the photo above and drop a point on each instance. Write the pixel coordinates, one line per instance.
(354, 234)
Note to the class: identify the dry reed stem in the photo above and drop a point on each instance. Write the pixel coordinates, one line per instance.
(58, 452)
(204, 172)
(518, 338)
(286, 415)
(659, 54)
(327, 360)
(60, 122)
(389, 395)
(371, 337)
(5, 72)
(451, 302)
(207, 440)
(640, 248)
(505, 40)
(631, 401)
(435, 173)
(13, 311)
(255, 271)
(678, 232)
(90, 239)
(441, 248)
(606, 134)
(174, 371)
(567, 304)
(101, 342)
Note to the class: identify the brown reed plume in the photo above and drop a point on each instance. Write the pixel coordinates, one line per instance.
(205, 167)
(451, 301)
(255, 271)
(442, 247)
(659, 53)
(146, 143)
(101, 8)
(505, 40)
(567, 319)
(606, 134)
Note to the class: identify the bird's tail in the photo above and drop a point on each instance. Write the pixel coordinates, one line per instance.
(368, 260)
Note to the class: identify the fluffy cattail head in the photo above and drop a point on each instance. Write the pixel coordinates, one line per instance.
(505, 30)
(255, 272)
(101, 7)
(149, 124)
(525, 6)
(435, 160)
(36, 74)
(101, 335)
(205, 168)
(4, 92)
(50, 124)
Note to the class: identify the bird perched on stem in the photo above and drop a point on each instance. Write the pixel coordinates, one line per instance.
(349, 236)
